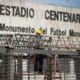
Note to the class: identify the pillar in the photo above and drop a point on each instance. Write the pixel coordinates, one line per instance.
(12, 67)
(72, 66)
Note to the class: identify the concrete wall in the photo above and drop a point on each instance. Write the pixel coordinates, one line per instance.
(38, 20)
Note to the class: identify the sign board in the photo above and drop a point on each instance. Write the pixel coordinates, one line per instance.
(18, 16)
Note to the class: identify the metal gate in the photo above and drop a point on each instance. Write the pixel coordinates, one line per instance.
(21, 67)
(60, 60)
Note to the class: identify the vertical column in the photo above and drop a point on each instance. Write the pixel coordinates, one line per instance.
(77, 67)
(19, 67)
(3, 64)
(12, 67)
(7, 64)
(6, 67)
(49, 71)
(72, 66)
(0, 66)
(71, 75)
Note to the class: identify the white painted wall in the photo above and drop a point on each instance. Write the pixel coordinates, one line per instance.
(39, 20)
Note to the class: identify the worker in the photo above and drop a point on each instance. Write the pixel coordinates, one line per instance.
(38, 65)
(38, 36)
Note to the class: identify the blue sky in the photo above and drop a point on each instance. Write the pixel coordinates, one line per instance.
(69, 3)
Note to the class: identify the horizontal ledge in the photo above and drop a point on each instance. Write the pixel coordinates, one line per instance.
(29, 51)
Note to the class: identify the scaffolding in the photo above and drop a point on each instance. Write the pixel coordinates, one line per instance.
(16, 51)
